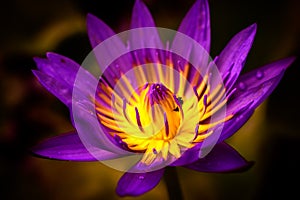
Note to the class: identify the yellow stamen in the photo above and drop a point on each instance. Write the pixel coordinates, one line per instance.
(151, 120)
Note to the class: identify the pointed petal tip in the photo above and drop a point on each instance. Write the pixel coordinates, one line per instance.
(254, 26)
(222, 159)
(35, 72)
(252, 29)
(289, 61)
(37, 60)
(92, 22)
(196, 24)
(50, 54)
(91, 17)
(246, 167)
(137, 4)
(36, 152)
(141, 16)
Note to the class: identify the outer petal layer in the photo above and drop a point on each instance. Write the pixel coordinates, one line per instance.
(251, 90)
(69, 147)
(98, 31)
(57, 73)
(222, 158)
(232, 58)
(141, 17)
(59, 88)
(196, 23)
(256, 77)
(58, 66)
(134, 184)
(143, 37)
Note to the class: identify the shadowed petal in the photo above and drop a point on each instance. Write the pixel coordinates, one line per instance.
(69, 147)
(196, 23)
(223, 158)
(231, 60)
(134, 184)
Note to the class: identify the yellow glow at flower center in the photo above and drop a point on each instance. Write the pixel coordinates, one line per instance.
(156, 122)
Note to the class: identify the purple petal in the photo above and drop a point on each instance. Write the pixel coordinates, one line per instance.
(234, 124)
(231, 60)
(251, 90)
(58, 73)
(196, 23)
(192, 41)
(189, 156)
(144, 37)
(134, 184)
(141, 16)
(258, 84)
(58, 66)
(69, 147)
(223, 158)
(262, 74)
(60, 89)
(98, 31)
(90, 131)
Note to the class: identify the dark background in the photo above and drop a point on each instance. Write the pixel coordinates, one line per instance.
(29, 113)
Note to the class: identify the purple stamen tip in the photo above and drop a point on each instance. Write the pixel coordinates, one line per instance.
(157, 92)
(154, 151)
(166, 124)
(138, 119)
(196, 131)
(205, 100)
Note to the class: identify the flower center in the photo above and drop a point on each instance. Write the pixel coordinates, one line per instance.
(160, 122)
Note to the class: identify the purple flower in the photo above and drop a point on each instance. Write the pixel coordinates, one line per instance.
(179, 115)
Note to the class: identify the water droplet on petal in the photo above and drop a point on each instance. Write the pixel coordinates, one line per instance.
(242, 85)
(259, 74)
(141, 177)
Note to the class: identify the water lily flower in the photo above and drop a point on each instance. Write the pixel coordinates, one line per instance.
(175, 109)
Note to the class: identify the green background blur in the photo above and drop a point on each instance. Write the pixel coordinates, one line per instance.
(29, 113)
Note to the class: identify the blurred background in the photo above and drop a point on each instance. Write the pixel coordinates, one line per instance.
(28, 113)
